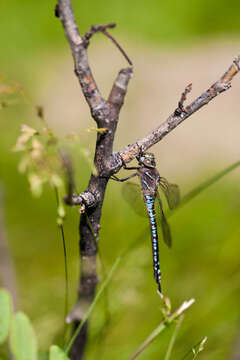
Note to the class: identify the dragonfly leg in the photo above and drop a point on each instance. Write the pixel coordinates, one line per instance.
(113, 177)
(130, 167)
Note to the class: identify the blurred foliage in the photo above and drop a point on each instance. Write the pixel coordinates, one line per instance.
(35, 29)
(204, 261)
(16, 328)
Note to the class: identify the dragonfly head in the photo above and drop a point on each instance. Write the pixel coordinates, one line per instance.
(147, 159)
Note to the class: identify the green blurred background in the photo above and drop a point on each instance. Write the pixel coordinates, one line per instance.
(172, 44)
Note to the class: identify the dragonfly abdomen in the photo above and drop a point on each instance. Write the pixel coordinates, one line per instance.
(149, 200)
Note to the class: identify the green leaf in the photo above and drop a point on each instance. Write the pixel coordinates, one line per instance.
(23, 340)
(5, 314)
(56, 353)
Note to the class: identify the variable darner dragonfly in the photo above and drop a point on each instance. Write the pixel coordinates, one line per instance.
(151, 180)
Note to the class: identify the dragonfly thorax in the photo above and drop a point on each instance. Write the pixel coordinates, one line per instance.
(147, 159)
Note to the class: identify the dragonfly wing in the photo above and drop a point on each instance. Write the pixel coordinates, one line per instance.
(171, 192)
(133, 195)
(166, 232)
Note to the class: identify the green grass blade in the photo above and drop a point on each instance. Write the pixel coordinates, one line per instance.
(5, 314)
(91, 307)
(204, 185)
(189, 352)
(66, 295)
(197, 351)
(23, 340)
(198, 345)
(173, 338)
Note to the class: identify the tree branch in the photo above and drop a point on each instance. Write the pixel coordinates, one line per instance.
(177, 117)
(106, 114)
(79, 53)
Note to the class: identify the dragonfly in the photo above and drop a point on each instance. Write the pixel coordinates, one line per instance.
(150, 182)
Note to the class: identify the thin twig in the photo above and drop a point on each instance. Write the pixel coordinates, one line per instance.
(102, 28)
(118, 46)
(97, 28)
(183, 98)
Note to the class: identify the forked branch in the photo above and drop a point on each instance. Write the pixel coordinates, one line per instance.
(181, 113)
(106, 114)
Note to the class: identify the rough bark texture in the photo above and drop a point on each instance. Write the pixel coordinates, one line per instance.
(105, 112)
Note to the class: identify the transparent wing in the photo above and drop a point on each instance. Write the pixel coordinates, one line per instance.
(133, 195)
(166, 232)
(171, 192)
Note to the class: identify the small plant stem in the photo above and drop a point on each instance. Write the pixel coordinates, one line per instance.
(91, 307)
(173, 338)
(165, 323)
